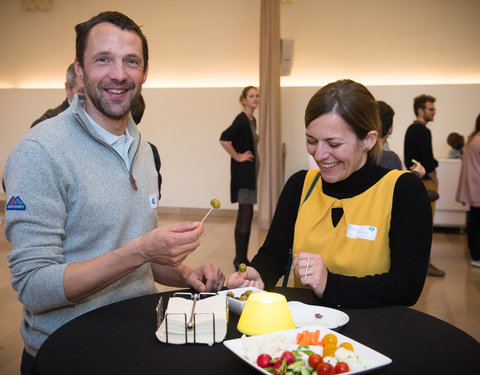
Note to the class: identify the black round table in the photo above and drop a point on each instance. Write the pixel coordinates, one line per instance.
(120, 339)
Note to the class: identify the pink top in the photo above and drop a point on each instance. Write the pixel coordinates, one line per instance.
(468, 190)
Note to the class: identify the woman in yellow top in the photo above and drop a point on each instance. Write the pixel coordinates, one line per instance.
(360, 234)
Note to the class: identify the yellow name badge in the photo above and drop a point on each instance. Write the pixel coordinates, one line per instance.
(364, 232)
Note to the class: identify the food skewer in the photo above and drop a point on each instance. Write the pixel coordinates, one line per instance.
(306, 269)
(215, 203)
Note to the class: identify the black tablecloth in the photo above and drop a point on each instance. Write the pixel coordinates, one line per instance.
(120, 339)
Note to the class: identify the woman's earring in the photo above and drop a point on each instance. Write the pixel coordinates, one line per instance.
(366, 149)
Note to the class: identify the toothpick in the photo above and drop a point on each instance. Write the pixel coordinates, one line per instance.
(208, 213)
(306, 269)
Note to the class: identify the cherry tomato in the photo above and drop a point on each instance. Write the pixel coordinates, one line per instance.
(264, 360)
(288, 356)
(325, 368)
(346, 345)
(314, 360)
(329, 339)
(329, 350)
(341, 367)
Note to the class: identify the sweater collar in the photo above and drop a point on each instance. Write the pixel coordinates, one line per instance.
(358, 182)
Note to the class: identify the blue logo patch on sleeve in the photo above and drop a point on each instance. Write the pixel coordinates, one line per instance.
(15, 203)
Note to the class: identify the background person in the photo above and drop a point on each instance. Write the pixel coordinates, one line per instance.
(364, 231)
(388, 158)
(137, 110)
(73, 85)
(456, 142)
(240, 140)
(84, 195)
(468, 191)
(418, 146)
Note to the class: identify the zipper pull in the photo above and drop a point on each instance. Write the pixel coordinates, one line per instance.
(134, 184)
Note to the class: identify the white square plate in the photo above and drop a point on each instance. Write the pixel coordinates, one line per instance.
(238, 347)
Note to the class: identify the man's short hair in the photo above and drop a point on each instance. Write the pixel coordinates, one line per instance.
(386, 114)
(420, 102)
(71, 77)
(137, 109)
(115, 18)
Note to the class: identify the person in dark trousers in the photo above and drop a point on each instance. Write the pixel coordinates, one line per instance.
(240, 141)
(418, 147)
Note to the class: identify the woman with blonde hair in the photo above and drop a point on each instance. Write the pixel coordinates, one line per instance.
(240, 140)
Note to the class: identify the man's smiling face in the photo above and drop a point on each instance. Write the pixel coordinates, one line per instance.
(113, 71)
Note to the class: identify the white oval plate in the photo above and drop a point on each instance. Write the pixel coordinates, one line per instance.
(304, 315)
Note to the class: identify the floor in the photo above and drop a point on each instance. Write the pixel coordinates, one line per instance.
(454, 298)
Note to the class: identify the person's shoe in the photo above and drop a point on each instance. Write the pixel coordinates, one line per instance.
(475, 263)
(434, 271)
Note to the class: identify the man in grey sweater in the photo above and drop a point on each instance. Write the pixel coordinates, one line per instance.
(84, 195)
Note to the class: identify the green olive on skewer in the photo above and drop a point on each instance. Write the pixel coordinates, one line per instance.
(215, 203)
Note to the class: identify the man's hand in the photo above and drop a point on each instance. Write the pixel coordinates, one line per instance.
(206, 278)
(171, 244)
(418, 168)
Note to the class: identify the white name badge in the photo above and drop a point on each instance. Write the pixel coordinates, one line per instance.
(362, 231)
(153, 200)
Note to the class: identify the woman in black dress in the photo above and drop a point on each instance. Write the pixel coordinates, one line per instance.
(240, 141)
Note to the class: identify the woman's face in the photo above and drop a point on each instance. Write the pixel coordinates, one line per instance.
(335, 147)
(252, 99)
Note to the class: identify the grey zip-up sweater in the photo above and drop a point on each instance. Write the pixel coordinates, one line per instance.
(79, 202)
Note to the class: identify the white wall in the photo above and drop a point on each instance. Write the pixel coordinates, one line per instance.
(185, 124)
(202, 52)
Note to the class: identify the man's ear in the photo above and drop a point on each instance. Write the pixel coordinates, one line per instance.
(78, 68)
(145, 74)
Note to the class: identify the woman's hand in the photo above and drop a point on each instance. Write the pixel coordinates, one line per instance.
(239, 157)
(246, 156)
(250, 278)
(315, 276)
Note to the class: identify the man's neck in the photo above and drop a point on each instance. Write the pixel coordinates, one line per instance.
(422, 120)
(115, 126)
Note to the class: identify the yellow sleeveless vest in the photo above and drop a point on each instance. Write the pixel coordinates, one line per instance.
(359, 244)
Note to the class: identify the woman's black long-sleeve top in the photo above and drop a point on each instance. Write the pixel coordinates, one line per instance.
(410, 239)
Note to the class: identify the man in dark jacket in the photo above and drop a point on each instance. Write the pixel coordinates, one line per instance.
(418, 147)
(73, 85)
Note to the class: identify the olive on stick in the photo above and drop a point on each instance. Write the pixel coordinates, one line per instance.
(215, 203)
